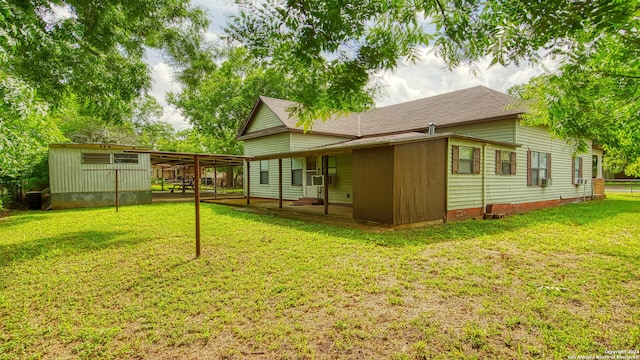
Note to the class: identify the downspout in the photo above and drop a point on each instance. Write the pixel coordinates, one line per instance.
(484, 178)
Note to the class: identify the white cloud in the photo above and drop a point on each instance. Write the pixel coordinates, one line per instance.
(430, 76)
(162, 76)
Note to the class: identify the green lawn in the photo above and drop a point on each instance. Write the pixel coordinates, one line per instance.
(98, 284)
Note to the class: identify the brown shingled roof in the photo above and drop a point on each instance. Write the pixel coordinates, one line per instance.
(458, 107)
(476, 104)
(338, 125)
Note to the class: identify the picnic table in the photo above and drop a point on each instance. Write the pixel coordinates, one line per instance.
(184, 185)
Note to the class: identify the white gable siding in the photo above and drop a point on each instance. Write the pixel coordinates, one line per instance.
(264, 119)
(504, 130)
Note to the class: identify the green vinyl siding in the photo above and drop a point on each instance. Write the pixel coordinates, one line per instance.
(304, 141)
(562, 154)
(342, 191)
(464, 190)
(503, 130)
(264, 119)
(270, 190)
(272, 144)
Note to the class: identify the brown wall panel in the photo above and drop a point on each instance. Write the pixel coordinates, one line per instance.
(373, 184)
(420, 181)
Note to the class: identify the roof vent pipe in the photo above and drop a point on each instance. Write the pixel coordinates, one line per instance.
(432, 128)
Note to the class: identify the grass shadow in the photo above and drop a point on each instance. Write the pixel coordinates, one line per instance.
(570, 214)
(70, 243)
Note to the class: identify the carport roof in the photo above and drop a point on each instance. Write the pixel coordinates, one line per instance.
(183, 158)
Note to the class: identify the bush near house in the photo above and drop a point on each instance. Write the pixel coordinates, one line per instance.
(92, 283)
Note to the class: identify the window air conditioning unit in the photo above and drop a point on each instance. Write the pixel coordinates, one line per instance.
(317, 180)
(580, 181)
(544, 182)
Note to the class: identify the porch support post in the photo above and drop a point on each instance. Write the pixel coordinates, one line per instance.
(325, 174)
(280, 183)
(196, 187)
(248, 180)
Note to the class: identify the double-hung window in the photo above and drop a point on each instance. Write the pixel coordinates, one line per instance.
(264, 171)
(296, 171)
(505, 162)
(465, 160)
(539, 167)
(576, 169)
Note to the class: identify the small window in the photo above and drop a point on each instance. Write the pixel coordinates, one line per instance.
(125, 158)
(296, 172)
(594, 166)
(505, 162)
(264, 171)
(539, 167)
(466, 160)
(576, 170)
(96, 158)
(332, 165)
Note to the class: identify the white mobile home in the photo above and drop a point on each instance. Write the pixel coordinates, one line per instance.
(84, 175)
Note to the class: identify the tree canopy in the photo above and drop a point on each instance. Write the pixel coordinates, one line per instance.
(96, 49)
(341, 44)
(222, 100)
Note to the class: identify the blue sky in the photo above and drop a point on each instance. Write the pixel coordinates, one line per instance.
(425, 78)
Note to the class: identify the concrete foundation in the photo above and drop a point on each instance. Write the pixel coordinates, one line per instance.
(98, 199)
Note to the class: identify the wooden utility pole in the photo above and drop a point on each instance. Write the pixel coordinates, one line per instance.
(196, 187)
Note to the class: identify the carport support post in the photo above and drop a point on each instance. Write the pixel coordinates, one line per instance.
(117, 193)
(215, 182)
(196, 182)
(280, 183)
(248, 180)
(325, 174)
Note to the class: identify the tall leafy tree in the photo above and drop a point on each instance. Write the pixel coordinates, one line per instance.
(595, 93)
(25, 130)
(223, 99)
(95, 49)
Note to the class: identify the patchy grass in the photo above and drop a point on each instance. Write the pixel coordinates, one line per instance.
(99, 284)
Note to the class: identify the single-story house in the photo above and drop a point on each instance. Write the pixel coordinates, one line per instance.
(448, 157)
(86, 175)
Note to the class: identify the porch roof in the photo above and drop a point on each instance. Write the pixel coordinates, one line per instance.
(377, 141)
